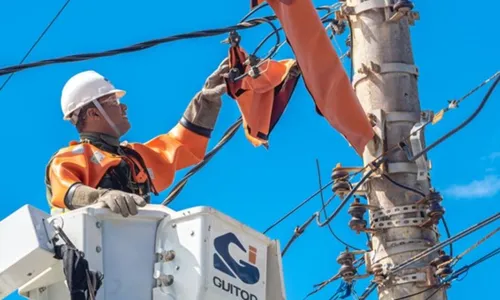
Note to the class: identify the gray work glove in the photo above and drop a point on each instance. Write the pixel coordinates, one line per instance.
(202, 112)
(215, 85)
(120, 202)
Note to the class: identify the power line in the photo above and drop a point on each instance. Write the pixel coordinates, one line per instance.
(383, 158)
(326, 213)
(317, 215)
(453, 276)
(461, 125)
(142, 46)
(465, 269)
(230, 132)
(401, 143)
(37, 41)
(444, 243)
(405, 187)
(228, 135)
(304, 202)
(246, 24)
(373, 285)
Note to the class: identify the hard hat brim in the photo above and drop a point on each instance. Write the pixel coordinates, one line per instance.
(119, 93)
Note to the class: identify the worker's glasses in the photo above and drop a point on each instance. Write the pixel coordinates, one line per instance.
(110, 101)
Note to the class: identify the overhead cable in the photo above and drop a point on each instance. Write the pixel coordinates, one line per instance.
(382, 159)
(397, 146)
(405, 187)
(461, 125)
(317, 215)
(373, 285)
(455, 260)
(141, 46)
(444, 243)
(375, 166)
(230, 132)
(38, 40)
(246, 24)
(357, 263)
(304, 202)
(324, 204)
(455, 275)
(452, 104)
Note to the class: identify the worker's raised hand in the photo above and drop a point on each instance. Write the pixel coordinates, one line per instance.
(121, 203)
(215, 85)
(201, 114)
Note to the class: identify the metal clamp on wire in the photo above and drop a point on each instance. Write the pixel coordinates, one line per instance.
(234, 74)
(233, 39)
(338, 27)
(253, 61)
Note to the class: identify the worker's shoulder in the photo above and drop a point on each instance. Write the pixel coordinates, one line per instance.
(74, 149)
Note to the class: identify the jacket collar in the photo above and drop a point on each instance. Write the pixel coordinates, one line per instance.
(100, 140)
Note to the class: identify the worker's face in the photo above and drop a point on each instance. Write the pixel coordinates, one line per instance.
(116, 111)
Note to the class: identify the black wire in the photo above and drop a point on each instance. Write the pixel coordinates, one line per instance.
(375, 165)
(447, 233)
(462, 125)
(317, 215)
(265, 39)
(141, 46)
(369, 289)
(37, 41)
(455, 275)
(254, 10)
(352, 49)
(482, 259)
(435, 292)
(296, 208)
(405, 187)
(418, 293)
(227, 136)
(444, 243)
(298, 232)
(326, 213)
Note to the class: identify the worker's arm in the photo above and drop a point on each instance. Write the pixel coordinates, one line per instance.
(65, 182)
(69, 181)
(202, 112)
(186, 144)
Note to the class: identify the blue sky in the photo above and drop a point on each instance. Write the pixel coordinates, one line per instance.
(453, 50)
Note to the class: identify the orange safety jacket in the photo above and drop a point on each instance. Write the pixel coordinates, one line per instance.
(324, 75)
(152, 165)
(261, 100)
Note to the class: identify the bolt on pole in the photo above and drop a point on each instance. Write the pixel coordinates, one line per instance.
(385, 80)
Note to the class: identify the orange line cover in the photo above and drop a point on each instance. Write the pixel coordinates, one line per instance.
(324, 75)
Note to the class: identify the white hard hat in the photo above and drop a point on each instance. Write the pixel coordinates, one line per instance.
(83, 88)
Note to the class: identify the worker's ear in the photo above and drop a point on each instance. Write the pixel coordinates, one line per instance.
(93, 113)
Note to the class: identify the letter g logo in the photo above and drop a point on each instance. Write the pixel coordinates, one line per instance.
(246, 272)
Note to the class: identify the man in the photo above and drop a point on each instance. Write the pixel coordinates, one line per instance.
(98, 169)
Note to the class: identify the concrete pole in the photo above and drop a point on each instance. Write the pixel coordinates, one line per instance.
(385, 80)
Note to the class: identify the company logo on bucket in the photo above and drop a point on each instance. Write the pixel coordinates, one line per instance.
(246, 271)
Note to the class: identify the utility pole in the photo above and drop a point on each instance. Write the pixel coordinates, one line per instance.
(385, 80)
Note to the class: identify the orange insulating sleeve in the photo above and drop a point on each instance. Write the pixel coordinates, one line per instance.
(323, 73)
